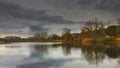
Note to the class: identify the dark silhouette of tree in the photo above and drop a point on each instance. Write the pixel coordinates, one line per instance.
(94, 28)
(67, 37)
(66, 30)
(118, 29)
(112, 30)
(55, 37)
(67, 34)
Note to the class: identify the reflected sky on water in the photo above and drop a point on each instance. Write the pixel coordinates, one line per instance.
(47, 55)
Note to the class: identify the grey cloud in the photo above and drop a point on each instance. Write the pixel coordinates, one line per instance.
(107, 5)
(17, 20)
(15, 11)
(112, 5)
(66, 9)
(48, 15)
(37, 29)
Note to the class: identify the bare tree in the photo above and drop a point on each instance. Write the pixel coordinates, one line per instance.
(118, 29)
(94, 27)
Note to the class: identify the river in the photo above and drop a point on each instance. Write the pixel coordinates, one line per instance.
(48, 55)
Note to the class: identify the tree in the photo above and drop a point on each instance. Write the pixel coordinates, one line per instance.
(94, 28)
(118, 29)
(55, 37)
(112, 30)
(66, 30)
(67, 34)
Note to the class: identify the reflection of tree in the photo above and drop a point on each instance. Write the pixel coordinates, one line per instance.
(119, 60)
(66, 50)
(96, 55)
(56, 45)
(113, 52)
(93, 56)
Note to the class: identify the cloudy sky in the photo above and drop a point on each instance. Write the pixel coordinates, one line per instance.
(26, 17)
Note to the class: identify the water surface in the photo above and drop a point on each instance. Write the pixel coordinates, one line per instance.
(47, 55)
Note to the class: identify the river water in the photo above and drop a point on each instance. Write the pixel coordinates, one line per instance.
(47, 55)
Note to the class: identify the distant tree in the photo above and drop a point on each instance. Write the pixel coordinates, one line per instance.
(67, 34)
(55, 37)
(66, 30)
(100, 32)
(94, 28)
(118, 29)
(12, 38)
(112, 30)
(88, 26)
(118, 21)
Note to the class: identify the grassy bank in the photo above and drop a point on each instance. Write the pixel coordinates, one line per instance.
(93, 41)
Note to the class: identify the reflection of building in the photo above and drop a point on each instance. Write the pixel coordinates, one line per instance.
(66, 50)
(119, 60)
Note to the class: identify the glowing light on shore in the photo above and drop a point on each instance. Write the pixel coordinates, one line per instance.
(22, 36)
(2, 47)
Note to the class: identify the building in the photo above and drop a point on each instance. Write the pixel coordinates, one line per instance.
(42, 35)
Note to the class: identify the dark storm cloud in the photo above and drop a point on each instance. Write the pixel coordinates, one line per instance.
(9, 10)
(38, 28)
(15, 11)
(111, 5)
(17, 20)
(26, 16)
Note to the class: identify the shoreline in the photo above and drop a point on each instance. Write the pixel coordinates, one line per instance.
(81, 42)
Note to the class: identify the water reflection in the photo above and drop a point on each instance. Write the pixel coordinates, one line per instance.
(14, 51)
(93, 56)
(32, 55)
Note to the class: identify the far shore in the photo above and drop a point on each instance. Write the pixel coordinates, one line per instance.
(79, 42)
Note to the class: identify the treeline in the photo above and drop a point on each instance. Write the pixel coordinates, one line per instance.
(96, 28)
(93, 30)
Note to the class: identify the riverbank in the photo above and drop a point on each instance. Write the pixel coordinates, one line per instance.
(5, 42)
(81, 42)
(92, 41)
